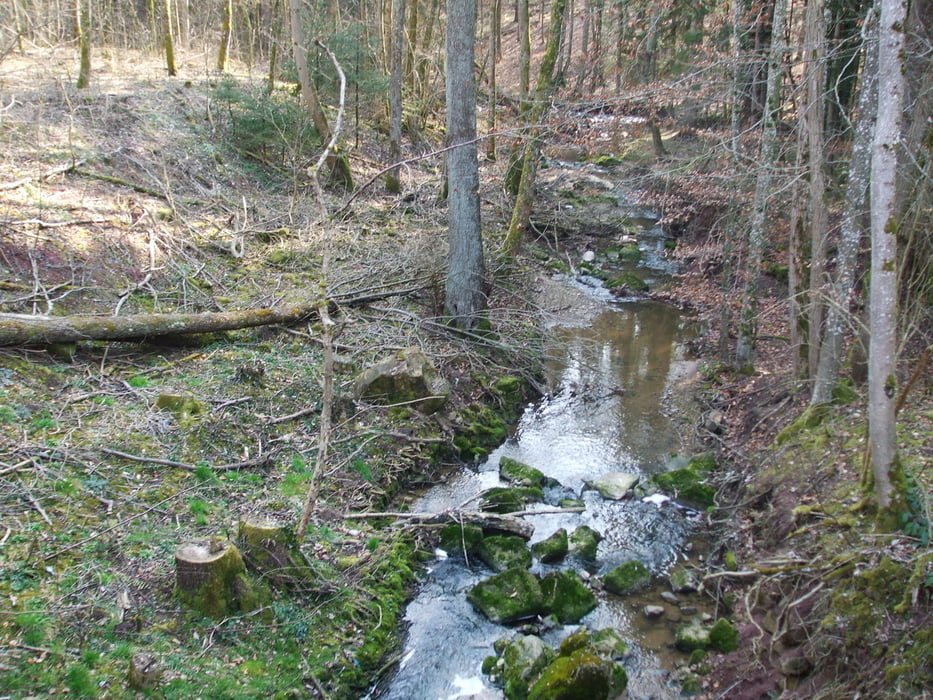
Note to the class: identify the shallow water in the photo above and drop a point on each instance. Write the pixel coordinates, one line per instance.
(610, 368)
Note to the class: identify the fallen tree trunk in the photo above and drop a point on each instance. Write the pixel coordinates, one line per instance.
(23, 329)
(510, 523)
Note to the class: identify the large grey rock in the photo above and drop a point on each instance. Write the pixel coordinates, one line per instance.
(614, 485)
(407, 376)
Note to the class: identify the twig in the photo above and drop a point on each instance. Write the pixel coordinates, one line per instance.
(35, 504)
(259, 461)
(292, 416)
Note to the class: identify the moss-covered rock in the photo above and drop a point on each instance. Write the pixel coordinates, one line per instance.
(522, 660)
(627, 578)
(687, 486)
(479, 430)
(691, 636)
(584, 543)
(501, 552)
(461, 539)
(507, 597)
(407, 376)
(581, 676)
(566, 596)
(508, 499)
(628, 282)
(684, 580)
(609, 644)
(723, 636)
(553, 549)
(519, 473)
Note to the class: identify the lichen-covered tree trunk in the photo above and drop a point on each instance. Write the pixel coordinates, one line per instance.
(168, 40)
(852, 227)
(766, 164)
(525, 164)
(465, 296)
(882, 351)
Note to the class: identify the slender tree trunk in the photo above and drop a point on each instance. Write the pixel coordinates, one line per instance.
(393, 183)
(495, 9)
(465, 298)
(770, 144)
(82, 30)
(528, 160)
(882, 351)
(168, 41)
(226, 30)
(524, 48)
(852, 227)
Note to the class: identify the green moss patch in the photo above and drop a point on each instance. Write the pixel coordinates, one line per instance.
(627, 578)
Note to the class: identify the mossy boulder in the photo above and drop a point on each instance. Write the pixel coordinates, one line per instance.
(584, 543)
(553, 549)
(519, 473)
(566, 596)
(627, 578)
(508, 499)
(508, 597)
(609, 644)
(479, 430)
(684, 580)
(521, 661)
(582, 675)
(686, 485)
(628, 282)
(408, 376)
(461, 539)
(501, 552)
(723, 636)
(692, 636)
(614, 485)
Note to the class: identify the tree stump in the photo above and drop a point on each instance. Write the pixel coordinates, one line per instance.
(210, 577)
(270, 548)
(145, 671)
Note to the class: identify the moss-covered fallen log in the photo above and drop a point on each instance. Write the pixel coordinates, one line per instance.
(23, 329)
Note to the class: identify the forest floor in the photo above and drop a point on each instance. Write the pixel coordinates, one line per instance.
(147, 194)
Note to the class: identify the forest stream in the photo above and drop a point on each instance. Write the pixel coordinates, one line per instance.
(613, 367)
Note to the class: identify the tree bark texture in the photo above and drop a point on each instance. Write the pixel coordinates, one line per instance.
(82, 30)
(466, 269)
(393, 184)
(226, 30)
(882, 350)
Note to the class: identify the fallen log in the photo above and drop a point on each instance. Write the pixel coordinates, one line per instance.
(508, 523)
(26, 329)
(23, 329)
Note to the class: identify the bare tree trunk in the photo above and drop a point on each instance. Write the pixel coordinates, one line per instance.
(82, 30)
(168, 41)
(852, 228)
(226, 30)
(528, 160)
(465, 297)
(524, 48)
(770, 143)
(495, 8)
(882, 361)
(393, 183)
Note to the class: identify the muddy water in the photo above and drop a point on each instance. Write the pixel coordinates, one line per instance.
(613, 368)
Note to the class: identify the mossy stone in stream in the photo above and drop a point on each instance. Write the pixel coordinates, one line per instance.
(522, 660)
(461, 539)
(627, 578)
(581, 676)
(507, 597)
(686, 485)
(501, 552)
(567, 597)
(608, 643)
(628, 281)
(553, 549)
(584, 542)
(691, 636)
(480, 430)
(519, 473)
(508, 499)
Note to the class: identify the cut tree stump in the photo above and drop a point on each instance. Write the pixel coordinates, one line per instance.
(210, 577)
(145, 672)
(270, 548)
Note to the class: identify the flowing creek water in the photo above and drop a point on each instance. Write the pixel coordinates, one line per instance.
(612, 369)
